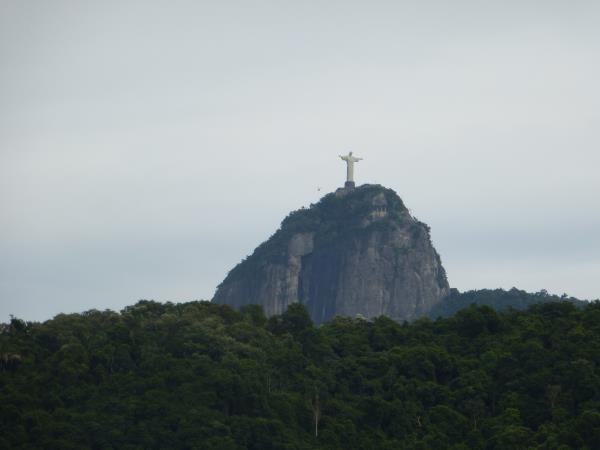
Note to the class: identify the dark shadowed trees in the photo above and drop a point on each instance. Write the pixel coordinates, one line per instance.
(204, 376)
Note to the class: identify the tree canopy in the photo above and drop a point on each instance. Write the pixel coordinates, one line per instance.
(204, 376)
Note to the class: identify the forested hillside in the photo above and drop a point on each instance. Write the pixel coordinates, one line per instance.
(499, 299)
(203, 376)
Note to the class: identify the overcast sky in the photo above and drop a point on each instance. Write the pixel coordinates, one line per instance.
(146, 147)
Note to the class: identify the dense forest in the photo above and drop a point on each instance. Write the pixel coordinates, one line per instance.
(203, 376)
(499, 299)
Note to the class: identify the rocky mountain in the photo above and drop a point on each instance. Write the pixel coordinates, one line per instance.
(356, 252)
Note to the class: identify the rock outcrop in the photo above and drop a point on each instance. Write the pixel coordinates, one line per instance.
(356, 252)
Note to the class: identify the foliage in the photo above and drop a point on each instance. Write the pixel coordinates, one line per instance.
(203, 376)
(499, 299)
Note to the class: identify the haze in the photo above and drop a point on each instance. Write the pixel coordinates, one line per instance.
(147, 147)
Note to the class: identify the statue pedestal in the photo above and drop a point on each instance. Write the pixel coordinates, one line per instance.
(349, 185)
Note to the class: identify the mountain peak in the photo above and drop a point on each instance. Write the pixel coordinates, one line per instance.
(356, 251)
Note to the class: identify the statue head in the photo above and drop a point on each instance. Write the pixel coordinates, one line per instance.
(350, 153)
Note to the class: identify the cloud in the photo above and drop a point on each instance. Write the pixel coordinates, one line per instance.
(146, 148)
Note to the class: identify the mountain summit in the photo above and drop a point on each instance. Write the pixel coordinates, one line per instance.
(356, 252)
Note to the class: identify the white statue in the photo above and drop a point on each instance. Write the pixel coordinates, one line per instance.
(350, 160)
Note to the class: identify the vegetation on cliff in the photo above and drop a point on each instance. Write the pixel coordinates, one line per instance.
(204, 376)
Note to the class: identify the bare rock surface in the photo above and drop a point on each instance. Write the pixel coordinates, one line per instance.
(355, 252)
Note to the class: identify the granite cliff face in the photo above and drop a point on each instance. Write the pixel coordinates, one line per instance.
(356, 252)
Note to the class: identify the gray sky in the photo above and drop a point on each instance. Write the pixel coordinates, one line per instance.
(146, 147)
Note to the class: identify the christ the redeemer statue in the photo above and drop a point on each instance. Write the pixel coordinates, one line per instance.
(350, 160)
